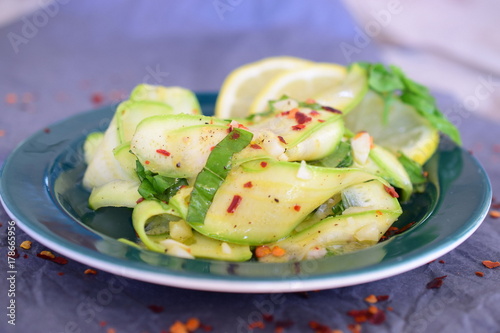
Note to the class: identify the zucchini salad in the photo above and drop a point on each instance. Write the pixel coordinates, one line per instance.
(301, 160)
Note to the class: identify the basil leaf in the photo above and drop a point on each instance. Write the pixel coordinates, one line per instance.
(214, 173)
(340, 158)
(414, 170)
(157, 187)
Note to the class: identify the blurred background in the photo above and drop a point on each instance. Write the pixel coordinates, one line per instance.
(60, 57)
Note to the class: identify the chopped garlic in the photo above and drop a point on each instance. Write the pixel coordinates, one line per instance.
(226, 249)
(304, 172)
(361, 146)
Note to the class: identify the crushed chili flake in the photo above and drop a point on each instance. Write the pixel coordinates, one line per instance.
(206, 328)
(281, 139)
(163, 152)
(192, 324)
(97, 98)
(110, 330)
(442, 262)
(102, 323)
(298, 127)
(25, 256)
(371, 299)
(330, 109)
(178, 327)
(11, 98)
(390, 308)
(297, 208)
(372, 315)
(46, 130)
(139, 200)
(263, 164)
(256, 324)
(47, 254)
(382, 298)
(495, 214)
(302, 118)
(60, 260)
(248, 185)
(90, 271)
(156, 308)
(26, 245)
(278, 251)
(354, 328)
(262, 251)
(235, 135)
(234, 203)
(392, 192)
(60, 273)
(480, 274)
(255, 146)
(436, 282)
(314, 113)
(319, 328)
(321, 120)
(268, 317)
(2, 133)
(146, 162)
(491, 264)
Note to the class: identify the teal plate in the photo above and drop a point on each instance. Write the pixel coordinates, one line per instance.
(41, 190)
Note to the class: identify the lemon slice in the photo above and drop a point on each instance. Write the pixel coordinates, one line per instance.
(242, 85)
(405, 130)
(349, 93)
(300, 84)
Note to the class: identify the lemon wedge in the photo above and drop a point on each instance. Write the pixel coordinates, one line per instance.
(405, 130)
(301, 84)
(242, 85)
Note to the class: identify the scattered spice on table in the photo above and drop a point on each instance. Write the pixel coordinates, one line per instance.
(495, 214)
(257, 324)
(2, 133)
(442, 262)
(60, 273)
(47, 255)
(480, 274)
(156, 308)
(90, 271)
(25, 256)
(191, 325)
(97, 98)
(354, 328)
(11, 98)
(372, 315)
(436, 282)
(491, 264)
(26, 245)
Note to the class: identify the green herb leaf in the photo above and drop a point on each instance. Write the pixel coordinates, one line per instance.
(414, 170)
(214, 173)
(154, 186)
(338, 209)
(391, 83)
(340, 158)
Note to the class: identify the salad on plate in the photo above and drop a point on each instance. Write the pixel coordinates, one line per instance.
(301, 160)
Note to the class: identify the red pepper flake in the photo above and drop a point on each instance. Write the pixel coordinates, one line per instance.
(192, 324)
(442, 262)
(139, 200)
(11, 98)
(102, 323)
(234, 204)
(354, 328)
(163, 152)
(206, 328)
(281, 139)
(302, 118)
(256, 324)
(382, 298)
(25, 256)
(390, 308)
(242, 126)
(248, 185)
(235, 135)
(392, 192)
(97, 98)
(495, 214)
(90, 271)
(298, 127)
(330, 109)
(491, 264)
(268, 317)
(314, 113)
(46, 130)
(372, 315)
(321, 120)
(110, 330)
(156, 308)
(60, 260)
(319, 328)
(255, 146)
(297, 208)
(263, 164)
(480, 274)
(262, 251)
(60, 273)
(436, 282)
(2, 133)
(371, 299)
(146, 162)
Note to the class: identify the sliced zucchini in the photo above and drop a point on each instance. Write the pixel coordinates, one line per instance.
(117, 193)
(180, 99)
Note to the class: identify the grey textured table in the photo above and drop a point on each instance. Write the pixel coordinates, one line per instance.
(72, 56)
